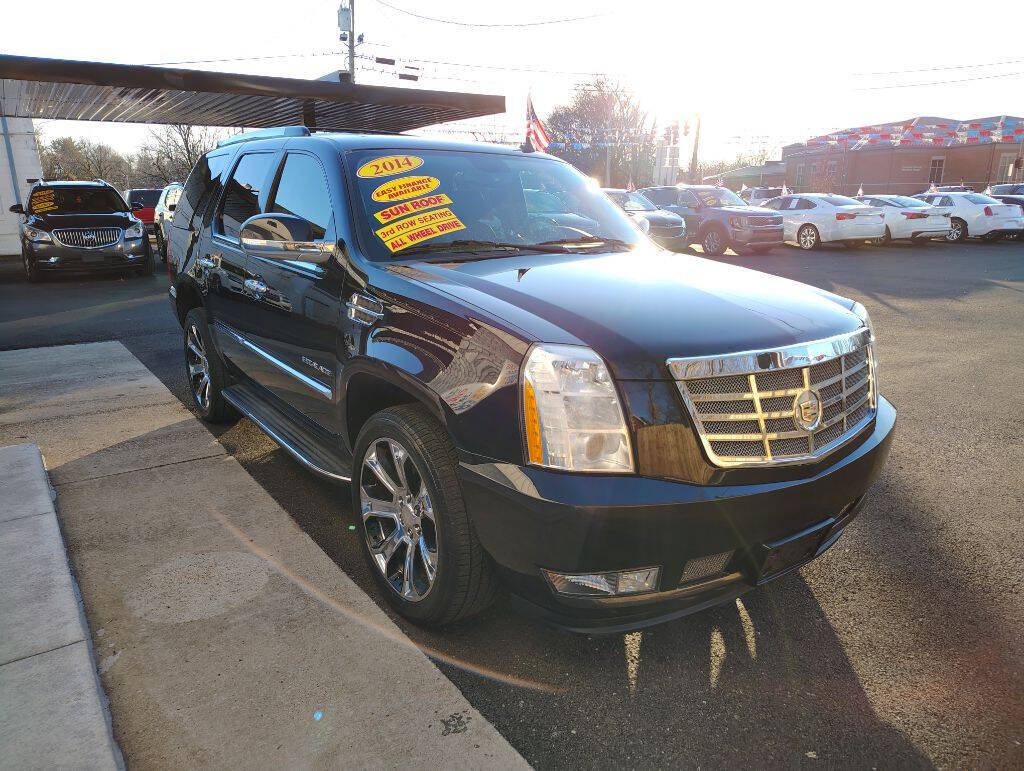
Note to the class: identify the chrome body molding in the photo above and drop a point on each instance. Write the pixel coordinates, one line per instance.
(307, 381)
(750, 362)
(285, 445)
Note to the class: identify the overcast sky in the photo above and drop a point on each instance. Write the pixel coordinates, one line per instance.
(759, 72)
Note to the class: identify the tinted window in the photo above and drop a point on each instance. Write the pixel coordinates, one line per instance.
(945, 201)
(978, 198)
(147, 198)
(199, 188)
(772, 204)
(662, 196)
(75, 200)
(302, 191)
(1007, 189)
(242, 197)
(803, 203)
(839, 200)
(687, 198)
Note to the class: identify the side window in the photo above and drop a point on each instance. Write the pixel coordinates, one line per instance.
(242, 197)
(772, 204)
(687, 198)
(804, 203)
(199, 188)
(657, 196)
(946, 201)
(302, 191)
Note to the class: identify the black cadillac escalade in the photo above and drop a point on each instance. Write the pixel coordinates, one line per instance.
(80, 226)
(617, 434)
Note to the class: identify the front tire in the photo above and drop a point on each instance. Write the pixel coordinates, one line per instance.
(146, 269)
(885, 240)
(807, 238)
(204, 372)
(714, 242)
(31, 271)
(957, 230)
(418, 539)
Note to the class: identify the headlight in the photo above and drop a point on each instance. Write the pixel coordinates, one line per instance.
(862, 313)
(34, 234)
(738, 222)
(135, 231)
(571, 412)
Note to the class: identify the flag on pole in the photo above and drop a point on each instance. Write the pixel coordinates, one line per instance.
(860, 190)
(785, 190)
(535, 133)
(932, 188)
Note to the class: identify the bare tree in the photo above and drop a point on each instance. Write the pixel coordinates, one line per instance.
(171, 151)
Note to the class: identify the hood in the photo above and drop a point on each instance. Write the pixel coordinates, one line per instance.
(49, 221)
(660, 218)
(637, 309)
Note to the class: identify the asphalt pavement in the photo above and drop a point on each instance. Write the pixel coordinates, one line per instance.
(903, 646)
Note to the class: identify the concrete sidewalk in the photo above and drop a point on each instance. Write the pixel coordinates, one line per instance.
(223, 634)
(52, 711)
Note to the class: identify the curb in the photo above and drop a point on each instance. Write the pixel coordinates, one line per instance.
(53, 711)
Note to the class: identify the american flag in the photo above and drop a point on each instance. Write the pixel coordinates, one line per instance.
(535, 133)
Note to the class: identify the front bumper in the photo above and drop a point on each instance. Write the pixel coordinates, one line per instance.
(762, 235)
(531, 519)
(57, 257)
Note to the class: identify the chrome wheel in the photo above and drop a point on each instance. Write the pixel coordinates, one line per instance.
(713, 243)
(956, 231)
(807, 237)
(198, 367)
(398, 519)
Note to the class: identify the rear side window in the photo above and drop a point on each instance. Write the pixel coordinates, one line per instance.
(662, 196)
(772, 204)
(302, 191)
(976, 198)
(839, 200)
(803, 203)
(147, 198)
(242, 196)
(199, 188)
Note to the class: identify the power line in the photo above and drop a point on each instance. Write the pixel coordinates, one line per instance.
(496, 67)
(502, 24)
(939, 69)
(941, 82)
(302, 55)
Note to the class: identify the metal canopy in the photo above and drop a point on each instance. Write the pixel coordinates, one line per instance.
(32, 87)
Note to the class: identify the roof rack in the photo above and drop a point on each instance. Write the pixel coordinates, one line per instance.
(267, 133)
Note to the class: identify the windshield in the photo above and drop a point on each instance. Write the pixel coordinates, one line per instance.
(147, 198)
(1007, 189)
(75, 200)
(907, 202)
(979, 198)
(719, 196)
(839, 200)
(632, 201)
(459, 202)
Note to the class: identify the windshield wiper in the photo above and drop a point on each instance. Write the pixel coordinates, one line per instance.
(471, 245)
(587, 241)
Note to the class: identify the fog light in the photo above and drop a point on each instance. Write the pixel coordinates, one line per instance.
(51, 259)
(605, 584)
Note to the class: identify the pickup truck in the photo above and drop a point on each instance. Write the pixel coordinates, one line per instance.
(718, 219)
(551, 403)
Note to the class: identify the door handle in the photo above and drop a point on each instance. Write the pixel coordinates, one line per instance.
(206, 262)
(255, 286)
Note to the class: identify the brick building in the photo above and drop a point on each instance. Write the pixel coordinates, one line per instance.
(906, 157)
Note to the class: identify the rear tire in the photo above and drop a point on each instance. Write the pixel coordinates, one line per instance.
(204, 371)
(419, 511)
(957, 230)
(807, 238)
(885, 240)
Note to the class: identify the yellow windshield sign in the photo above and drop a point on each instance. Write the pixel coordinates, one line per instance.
(405, 187)
(387, 165)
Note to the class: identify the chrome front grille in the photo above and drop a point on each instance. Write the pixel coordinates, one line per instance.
(746, 410)
(760, 221)
(87, 238)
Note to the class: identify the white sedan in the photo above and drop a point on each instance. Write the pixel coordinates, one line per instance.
(809, 219)
(977, 215)
(912, 218)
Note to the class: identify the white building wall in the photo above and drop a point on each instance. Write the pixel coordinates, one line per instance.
(22, 136)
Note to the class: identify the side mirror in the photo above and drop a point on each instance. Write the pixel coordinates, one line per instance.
(137, 206)
(284, 237)
(16, 208)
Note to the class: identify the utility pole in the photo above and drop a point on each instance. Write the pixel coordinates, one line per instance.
(693, 158)
(347, 29)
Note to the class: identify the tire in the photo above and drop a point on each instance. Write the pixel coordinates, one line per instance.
(161, 246)
(464, 582)
(201, 358)
(714, 242)
(885, 240)
(146, 269)
(31, 271)
(958, 230)
(807, 238)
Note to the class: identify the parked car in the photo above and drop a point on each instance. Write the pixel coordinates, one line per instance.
(949, 189)
(514, 399)
(909, 218)
(1014, 194)
(163, 212)
(755, 196)
(811, 219)
(975, 215)
(143, 200)
(80, 226)
(718, 219)
(664, 227)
